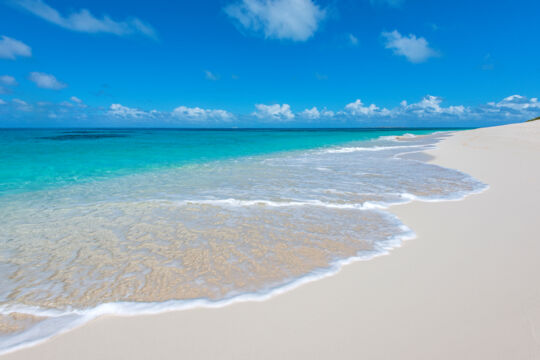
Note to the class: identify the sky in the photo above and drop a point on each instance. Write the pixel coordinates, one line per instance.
(268, 63)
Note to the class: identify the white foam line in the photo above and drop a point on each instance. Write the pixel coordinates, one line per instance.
(80, 317)
(240, 203)
(397, 137)
(360, 148)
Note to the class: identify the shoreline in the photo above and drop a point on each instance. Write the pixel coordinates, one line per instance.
(316, 309)
(73, 319)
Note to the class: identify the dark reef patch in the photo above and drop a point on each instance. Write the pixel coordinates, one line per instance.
(85, 136)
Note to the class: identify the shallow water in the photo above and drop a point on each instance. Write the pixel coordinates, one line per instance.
(181, 231)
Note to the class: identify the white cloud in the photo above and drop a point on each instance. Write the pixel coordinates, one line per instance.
(78, 102)
(353, 40)
(22, 105)
(84, 21)
(430, 105)
(210, 75)
(274, 112)
(295, 20)
(358, 108)
(416, 50)
(511, 107)
(46, 81)
(327, 113)
(312, 113)
(74, 102)
(428, 111)
(119, 110)
(429, 108)
(11, 48)
(516, 103)
(8, 80)
(180, 113)
(199, 114)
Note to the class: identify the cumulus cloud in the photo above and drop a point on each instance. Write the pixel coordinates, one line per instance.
(122, 111)
(295, 20)
(516, 102)
(427, 111)
(512, 106)
(184, 113)
(430, 108)
(416, 50)
(358, 108)
(430, 105)
(11, 48)
(274, 112)
(199, 114)
(312, 113)
(327, 113)
(46, 81)
(84, 21)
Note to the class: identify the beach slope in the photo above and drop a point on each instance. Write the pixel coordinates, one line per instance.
(467, 288)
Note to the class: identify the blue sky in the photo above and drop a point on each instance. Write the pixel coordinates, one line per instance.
(265, 63)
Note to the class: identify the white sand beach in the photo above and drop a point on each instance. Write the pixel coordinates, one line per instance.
(468, 287)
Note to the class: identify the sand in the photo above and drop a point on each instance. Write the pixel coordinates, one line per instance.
(468, 287)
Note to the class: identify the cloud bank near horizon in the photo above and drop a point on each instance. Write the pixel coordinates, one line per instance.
(429, 111)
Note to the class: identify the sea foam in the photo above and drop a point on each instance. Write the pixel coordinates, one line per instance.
(206, 235)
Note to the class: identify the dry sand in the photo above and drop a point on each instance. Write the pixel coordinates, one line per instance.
(467, 288)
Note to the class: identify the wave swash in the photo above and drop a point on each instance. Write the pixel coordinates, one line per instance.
(207, 234)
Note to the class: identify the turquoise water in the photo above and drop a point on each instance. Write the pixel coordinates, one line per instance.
(39, 159)
(141, 221)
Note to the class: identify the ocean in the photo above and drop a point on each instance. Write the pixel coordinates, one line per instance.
(124, 221)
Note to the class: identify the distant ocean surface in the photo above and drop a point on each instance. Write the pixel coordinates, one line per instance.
(140, 221)
(39, 159)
